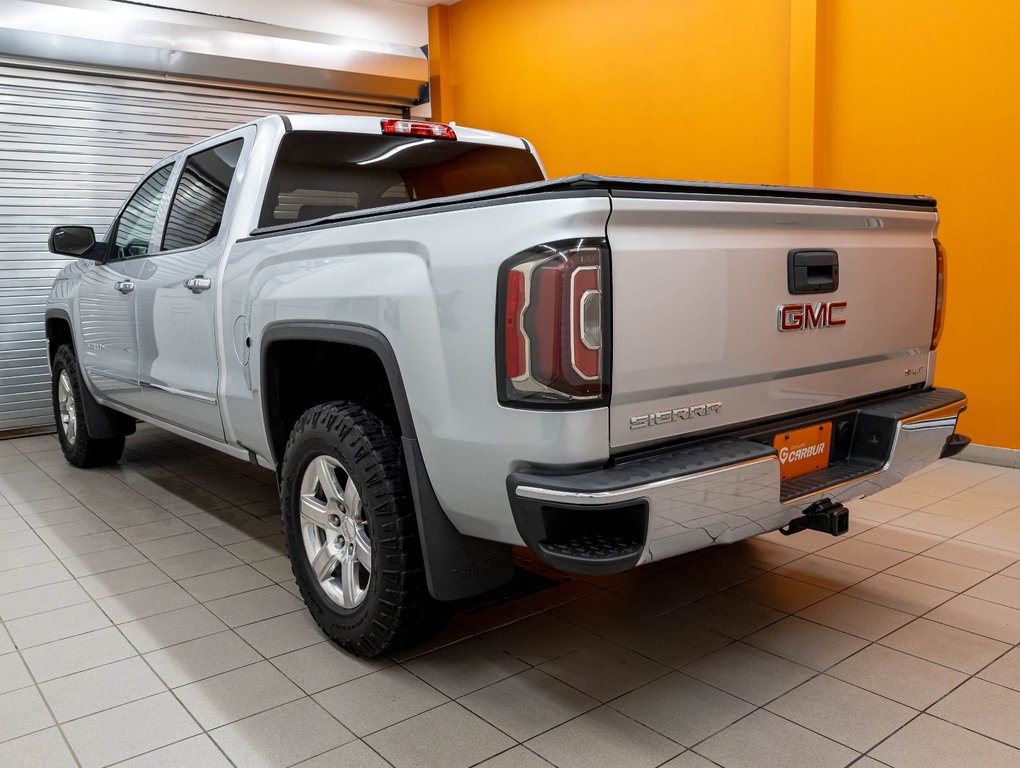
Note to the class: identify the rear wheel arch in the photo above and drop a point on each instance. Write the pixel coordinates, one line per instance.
(296, 360)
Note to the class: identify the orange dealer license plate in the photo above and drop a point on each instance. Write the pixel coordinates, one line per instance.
(803, 450)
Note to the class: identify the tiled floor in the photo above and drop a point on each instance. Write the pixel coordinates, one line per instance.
(149, 619)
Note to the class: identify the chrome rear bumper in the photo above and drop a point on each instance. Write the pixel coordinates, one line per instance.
(722, 492)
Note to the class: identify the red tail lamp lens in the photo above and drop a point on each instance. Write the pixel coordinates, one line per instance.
(418, 128)
(553, 323)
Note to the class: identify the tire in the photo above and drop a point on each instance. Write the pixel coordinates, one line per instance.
(80, 449)
(354, 548)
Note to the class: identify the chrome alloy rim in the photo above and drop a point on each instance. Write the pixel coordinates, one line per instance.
(333, 530)
(65, 404)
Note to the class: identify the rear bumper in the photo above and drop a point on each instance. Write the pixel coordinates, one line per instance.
(612, 519)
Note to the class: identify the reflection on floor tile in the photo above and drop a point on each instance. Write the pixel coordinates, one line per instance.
(148, 614)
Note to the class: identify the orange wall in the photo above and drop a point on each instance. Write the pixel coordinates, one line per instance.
(921, 96)
(906, 96)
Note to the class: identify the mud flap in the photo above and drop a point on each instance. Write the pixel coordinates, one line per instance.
(456, 566)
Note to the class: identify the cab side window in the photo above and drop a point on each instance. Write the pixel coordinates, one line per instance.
(197, 208)
(134, 229)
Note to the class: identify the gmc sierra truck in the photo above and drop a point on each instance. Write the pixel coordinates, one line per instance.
(445, 355)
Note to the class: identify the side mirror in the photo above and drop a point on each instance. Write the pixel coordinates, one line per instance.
(73, 241)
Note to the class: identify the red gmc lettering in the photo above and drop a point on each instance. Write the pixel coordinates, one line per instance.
(805, 317)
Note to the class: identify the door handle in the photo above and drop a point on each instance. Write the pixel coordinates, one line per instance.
(198, 283)
(124, 286)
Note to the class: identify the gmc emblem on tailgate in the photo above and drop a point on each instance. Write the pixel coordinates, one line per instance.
(806, 317)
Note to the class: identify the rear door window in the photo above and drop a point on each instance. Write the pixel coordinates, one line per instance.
(196, 212)
(320, 174)
(134, 228)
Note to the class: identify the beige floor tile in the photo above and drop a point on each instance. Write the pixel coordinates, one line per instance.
(275, 569)
(984, 707)
(142, 603)
(31, 576)
(22, 711)
(42, 749)
(201, 658)
(902, 539)
(873, 556)
(928, 742)
(281, 736)
(1005, 671)
(991, 535)
(282, 634)
(764, 554)
(238, 531)
(198, 563)
(446, 737)
(603, 738)
(90, 547)
(378, 700)
(128, 730)
(823, 572)
(902, 594)
(749, 673)
(231, 581)
(325, 665)
(170, 628)
(174, 546)
(254, 550)
(13, 673)
(972, 555)
(50, 597)
(259, 604)
(123, 580)
(842, 712)
(938, 573)
(356, 754)
(763, 740)
(196, 752)
(26, 556)
(959, 510)
(779, 592)
(999, 622)
(539, 638)
(989, 496)
(805, 541)
(945, 645)
(237, 694)
(682, 708)
(856, 617)
(157, 529)
(898, 676)
(936, 524)
(604, 670)
(603, 612)
(671, 639)
(75, 654)
(527, 704)
(730, 616)
(464, 667)
(518, 757)
(1000, 589)
(101, 562)
(806, 643)
(94, 690)
(889, 504)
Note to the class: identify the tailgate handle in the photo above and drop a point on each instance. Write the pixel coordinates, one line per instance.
(812, 271)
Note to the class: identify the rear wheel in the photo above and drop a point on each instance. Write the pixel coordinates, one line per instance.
(79, 448)
(351, 531)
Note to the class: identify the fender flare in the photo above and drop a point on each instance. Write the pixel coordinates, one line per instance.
(100, 422)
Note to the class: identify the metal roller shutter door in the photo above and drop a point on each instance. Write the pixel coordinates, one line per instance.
(72, 145)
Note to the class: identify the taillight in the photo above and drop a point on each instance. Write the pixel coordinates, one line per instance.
(418, 128)
(552, 302)
(940, 295)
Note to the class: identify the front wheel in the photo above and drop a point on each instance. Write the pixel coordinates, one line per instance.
(351, 531)
(79, 448)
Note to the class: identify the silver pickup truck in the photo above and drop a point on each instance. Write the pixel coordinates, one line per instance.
(444, 355)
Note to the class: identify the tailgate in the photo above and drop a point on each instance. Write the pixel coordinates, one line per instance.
(698, 290)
